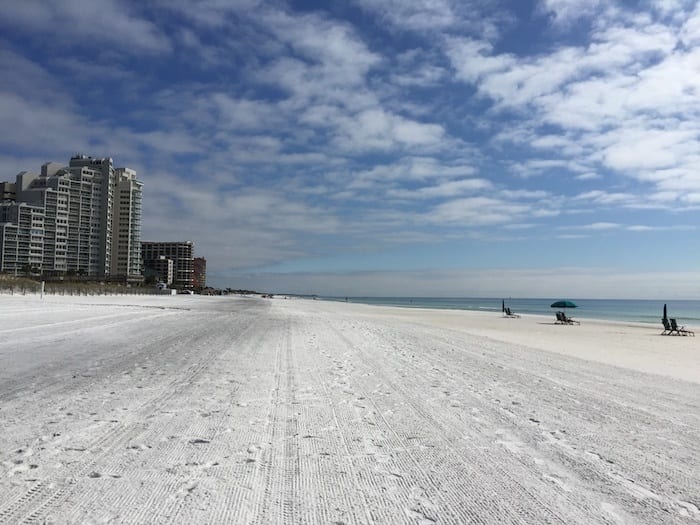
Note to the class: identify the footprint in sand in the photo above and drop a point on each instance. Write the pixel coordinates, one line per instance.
(138, 447)
(18, 468)
(557, 480)
(414, 513)
(188, 488)
(688, 509)
(25, 452)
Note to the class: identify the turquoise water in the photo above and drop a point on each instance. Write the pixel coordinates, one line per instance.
(640, 311)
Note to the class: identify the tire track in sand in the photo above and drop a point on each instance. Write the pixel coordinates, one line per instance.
(34, 505)
(581, 461)
(512, 505)
(282, 458)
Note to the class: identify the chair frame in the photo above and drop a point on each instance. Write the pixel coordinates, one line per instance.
(562, 319)
(508, 313)
(680, 330)
(668, 329)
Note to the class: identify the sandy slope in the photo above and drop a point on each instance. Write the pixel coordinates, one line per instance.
(211, 410)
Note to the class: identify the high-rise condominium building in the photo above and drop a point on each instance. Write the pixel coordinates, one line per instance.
(200, 273)
(126, 242)
(180, 252)
(92, 217)
(21, 238)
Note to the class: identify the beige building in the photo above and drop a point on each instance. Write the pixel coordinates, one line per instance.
(126, 241)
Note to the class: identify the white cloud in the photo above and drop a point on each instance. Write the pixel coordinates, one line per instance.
(607, 198)
(245, 114)
(690, 33)
(377, 129)
(599, 226)
(642, 149)
(411, 132)
(82, 23)
(238, 229)
(473, 61)
(413, 14)
(442, 189)
(171, 141)
(477, 211)
(32, 122)
(568, 12)
(407, 170)
(625, 103)
(589, 176)
(670, 7)
(513, 82)
(333, 45)
(538, 167)
(210, 13)
(647, 228)
(485, 19)
(423, 75)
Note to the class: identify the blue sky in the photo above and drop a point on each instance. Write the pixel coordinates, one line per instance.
(382, 147)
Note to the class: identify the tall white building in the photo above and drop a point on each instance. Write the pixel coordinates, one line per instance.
(126, 241)
(92, 217)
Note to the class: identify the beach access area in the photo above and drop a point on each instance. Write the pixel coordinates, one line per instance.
(192, 409)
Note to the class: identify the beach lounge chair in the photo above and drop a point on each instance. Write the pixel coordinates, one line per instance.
(668, 330)
(568, 320)
(510, 314)
(681, 330)
(562, 319)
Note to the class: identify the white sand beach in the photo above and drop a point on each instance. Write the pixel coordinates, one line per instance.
(189, 409)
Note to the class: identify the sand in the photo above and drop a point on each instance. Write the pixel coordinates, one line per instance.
(188, 409)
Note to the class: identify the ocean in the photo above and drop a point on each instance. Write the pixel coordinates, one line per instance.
(687, 312)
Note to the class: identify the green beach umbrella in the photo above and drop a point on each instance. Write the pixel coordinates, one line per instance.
(563, 304)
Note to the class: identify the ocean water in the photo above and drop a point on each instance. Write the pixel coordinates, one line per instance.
(687, 312)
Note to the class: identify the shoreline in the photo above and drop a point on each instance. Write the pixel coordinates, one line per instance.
(527, 305)
(631, 345)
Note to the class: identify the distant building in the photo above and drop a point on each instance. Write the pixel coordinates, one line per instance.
(200, 273)
(7, 191)
(83, 206)
(161, 268)
(180, 252)
(21, 237)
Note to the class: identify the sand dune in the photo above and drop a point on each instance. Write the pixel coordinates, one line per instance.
(221, 410)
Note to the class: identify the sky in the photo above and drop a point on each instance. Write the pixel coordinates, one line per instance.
(518, 148)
